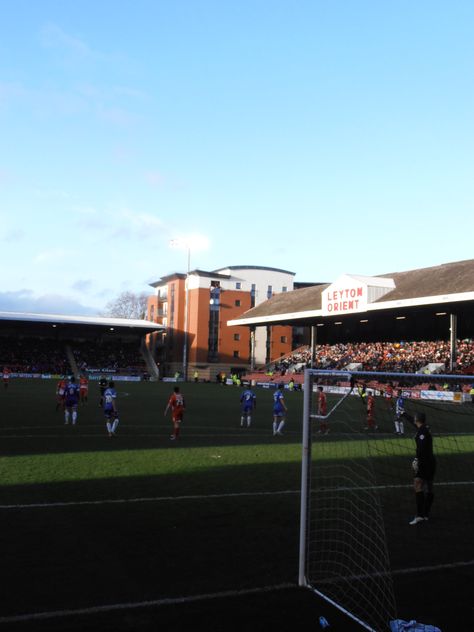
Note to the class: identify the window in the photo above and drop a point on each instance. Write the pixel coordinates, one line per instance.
(269, 291)
(237, 303)
(283, 339)
(252, 295)
(238, 285)
(284, 289)
(236, 336)
(236, 354)
(152, 312)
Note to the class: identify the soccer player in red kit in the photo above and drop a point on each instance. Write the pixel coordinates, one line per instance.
(177, 406)
(388, 395)
(6, 376)
(61, 393)
(371, 425)
(83, 389)
(322, 410)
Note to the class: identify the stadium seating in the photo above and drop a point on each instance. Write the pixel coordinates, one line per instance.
(33, 355)
(48, 356)
(109, 357)
(403, 357)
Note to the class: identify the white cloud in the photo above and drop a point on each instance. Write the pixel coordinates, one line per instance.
(52, 194)
(155, 178)
(55, 254)
(14, 235)
(53, 36)
(10, 91)
(139, 225)
(115, 115)
(25, 301)
(82, 285)
(193, 242)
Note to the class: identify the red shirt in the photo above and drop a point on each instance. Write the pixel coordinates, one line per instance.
(322, 403)
(176, 402)
(61, 387)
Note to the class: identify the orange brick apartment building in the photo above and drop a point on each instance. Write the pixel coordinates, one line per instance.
(214, 298)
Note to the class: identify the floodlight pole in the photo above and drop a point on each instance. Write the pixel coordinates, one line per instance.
(186, 309)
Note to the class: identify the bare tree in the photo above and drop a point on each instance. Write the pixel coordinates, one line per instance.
(128, 305)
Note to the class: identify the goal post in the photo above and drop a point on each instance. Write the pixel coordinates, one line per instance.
(306, 459)
(356, 482)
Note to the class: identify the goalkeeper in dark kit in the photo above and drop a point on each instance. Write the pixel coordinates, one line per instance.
(424, 467)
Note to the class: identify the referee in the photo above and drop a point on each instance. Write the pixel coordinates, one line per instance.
(424, 467)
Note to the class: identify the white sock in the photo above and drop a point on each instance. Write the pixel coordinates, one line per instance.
(281, 426)
(274, 427)
(115, 424)
(397, 426)
(242, 419)
(109, 427)
(402, 427)
(249, 421)
(66, 416)
(74, 416)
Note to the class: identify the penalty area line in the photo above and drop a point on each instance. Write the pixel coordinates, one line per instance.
(123, 501)
(157, 499)
(54, 614)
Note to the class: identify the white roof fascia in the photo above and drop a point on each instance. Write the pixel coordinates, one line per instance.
(275, 318)
(409, 302)
(80, 320)
(422, 300)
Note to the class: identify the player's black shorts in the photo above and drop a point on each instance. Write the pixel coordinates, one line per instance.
(426, 470)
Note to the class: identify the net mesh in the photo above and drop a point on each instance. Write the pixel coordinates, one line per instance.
(360, 499)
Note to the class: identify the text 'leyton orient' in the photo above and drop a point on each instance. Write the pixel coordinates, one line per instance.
(336, 302)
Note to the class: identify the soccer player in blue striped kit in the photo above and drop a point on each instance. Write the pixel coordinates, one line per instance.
(109, 400)
(248, 403)
(279, 410)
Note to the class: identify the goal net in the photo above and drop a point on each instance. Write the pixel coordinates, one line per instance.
(357, 497)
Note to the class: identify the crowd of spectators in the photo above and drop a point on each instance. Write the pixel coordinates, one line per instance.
(33, 355)
(48, 356)
(109, 357)
(405, 357)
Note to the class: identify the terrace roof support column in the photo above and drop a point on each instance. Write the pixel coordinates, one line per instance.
(313, 345)
(252, 348)
(453, 331)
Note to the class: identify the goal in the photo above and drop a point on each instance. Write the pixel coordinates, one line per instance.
(356, 480)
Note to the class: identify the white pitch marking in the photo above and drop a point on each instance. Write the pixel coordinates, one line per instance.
(54, 614)
(142, 604)
(157, 499)
(122, 501)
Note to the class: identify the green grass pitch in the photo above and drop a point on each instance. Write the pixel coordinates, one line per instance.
(109, 534)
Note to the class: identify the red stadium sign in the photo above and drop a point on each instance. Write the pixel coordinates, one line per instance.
(352, 293)
(344, 299)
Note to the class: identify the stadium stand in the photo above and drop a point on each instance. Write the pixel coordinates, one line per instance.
(33, 355)
(109, 357)
(49, 356)
(403, 357)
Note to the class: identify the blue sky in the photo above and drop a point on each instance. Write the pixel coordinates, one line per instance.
(321, 137)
